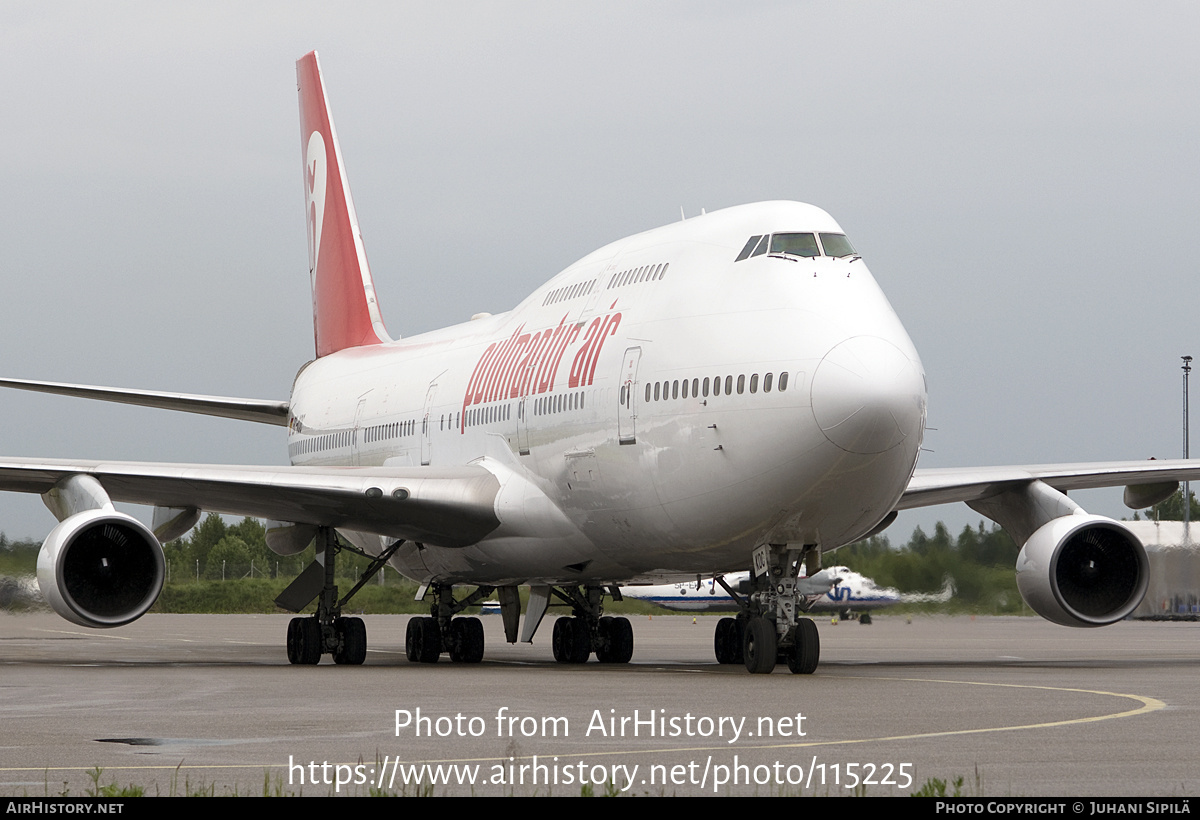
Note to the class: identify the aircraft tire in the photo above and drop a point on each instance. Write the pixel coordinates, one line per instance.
(571, 643)
(865, 619)
(616, 640)
(582, 645)
(423, 641)
(293, 641)
(604, 629)
(353, 643)
(304, 641)
(562, 639)
(759, 646)
(467, 646)
(805, 654)
(727, 641)
(410, 640)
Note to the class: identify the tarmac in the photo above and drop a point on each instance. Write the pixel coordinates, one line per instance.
(208, 703)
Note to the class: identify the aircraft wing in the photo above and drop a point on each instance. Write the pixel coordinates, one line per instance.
(947, 485)
(450, 506)
(260, 410)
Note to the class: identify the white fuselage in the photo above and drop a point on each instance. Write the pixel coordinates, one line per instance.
(597, 398)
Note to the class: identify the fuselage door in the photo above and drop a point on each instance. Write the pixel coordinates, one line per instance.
(523, 405)
(357, 433)
(627, 397)
(427, 425)
(526, 403)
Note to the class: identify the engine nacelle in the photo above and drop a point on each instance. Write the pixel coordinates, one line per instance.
(101, 568)
(1083, 570)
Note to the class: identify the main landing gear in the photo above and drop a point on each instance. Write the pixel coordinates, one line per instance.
(769, 628)
(590, 630)
(326, 632)
(461, 638)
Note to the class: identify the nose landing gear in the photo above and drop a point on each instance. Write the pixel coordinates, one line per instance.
(770, 629)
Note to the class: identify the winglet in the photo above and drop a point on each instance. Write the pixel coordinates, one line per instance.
(345, 310)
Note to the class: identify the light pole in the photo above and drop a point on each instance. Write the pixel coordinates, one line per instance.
(1187, 497)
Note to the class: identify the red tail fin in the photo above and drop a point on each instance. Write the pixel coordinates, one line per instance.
(345, 311)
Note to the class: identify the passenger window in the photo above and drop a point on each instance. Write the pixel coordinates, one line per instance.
(741, 384)
(783, 381)
(767, 383)
(729, 385)
(754, 383)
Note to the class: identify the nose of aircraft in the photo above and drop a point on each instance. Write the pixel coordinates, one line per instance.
(868, 396)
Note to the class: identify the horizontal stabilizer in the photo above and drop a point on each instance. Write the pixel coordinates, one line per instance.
(260, 410)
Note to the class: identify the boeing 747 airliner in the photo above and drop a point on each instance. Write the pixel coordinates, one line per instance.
(725, 393)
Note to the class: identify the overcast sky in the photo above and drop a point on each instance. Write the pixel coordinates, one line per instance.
(1022, 180)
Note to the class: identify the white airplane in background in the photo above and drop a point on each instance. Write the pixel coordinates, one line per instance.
(833, 589)
(725, 393)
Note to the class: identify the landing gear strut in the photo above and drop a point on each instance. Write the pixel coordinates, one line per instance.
(769, 628)
(590, 630)
(326, 631)
(427, 638)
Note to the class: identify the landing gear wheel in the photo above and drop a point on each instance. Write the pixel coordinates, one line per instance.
(805, 654)
(293, 641)
(615, 644)
(759, 646)
(411, 642)
(572, 641)
(352, 641)
(865, 619)
(727, 641)
(304, 641)
(423, 640)
(466, 644)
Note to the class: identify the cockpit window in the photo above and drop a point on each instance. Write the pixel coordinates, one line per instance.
(836, 244)
(750, 243)
(795, 244)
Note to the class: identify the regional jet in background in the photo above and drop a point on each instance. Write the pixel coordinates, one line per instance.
(731, 392)
(834, 589)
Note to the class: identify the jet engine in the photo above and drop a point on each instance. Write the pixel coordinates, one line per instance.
(1082, 570)
(101, 568)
